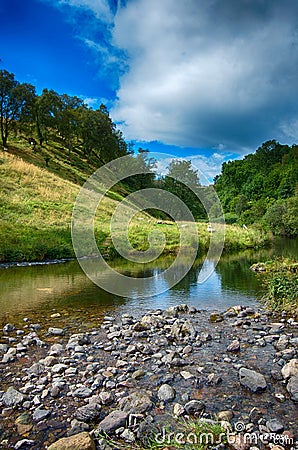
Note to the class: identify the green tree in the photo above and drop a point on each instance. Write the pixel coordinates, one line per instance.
(183, 181)
(15, 102)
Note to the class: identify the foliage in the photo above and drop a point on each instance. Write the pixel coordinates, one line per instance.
(183, 181)
(262, 188)
(280, 285)
(15, 102)
(61, 118)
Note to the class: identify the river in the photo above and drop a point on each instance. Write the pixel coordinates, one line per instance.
(40, 291)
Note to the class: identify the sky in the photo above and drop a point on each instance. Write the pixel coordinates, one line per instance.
(204, 80)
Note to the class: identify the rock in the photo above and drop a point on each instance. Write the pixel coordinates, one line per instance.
(58, 368)
(128, 436)
(50, 361)
(10, 355)
(274, 426)
(187, 329)
(290, 369)
(56, 350)
(36, 369)
(166, 393)
(82, 392)
(215, 318)
(194, 406)
(56, 331)
(12, 397)
(114, 420)
(292, 388)
(178, 410)
(138, 374)
(252, 380)
(3, 348)
(186, 375)
(40, 414)
(136, 403)
(77, 427)
(8, 328)
(225, 415)
(88, 412)
(24, 443)
(81, 441)
(106, 397)
(234, 346)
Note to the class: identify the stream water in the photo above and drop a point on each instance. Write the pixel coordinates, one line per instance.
(38, 291)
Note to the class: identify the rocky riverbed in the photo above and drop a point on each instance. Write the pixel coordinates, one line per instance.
(133, 377)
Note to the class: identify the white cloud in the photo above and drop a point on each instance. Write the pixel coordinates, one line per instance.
(201, 73)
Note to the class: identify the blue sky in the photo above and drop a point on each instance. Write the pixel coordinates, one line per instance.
(208, 80)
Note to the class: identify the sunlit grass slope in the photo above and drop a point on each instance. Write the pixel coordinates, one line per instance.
(36, 206)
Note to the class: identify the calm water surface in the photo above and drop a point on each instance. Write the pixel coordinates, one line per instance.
(39, 291)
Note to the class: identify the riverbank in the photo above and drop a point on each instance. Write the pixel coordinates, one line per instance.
(280, 282)
(137, 379)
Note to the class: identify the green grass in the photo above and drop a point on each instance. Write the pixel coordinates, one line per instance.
(36, 205)
(280, 285)
(191, 434)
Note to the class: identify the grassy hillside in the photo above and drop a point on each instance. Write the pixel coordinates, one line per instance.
(36, 204)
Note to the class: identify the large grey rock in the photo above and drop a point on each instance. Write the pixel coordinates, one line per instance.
(12, 397)
(290, 369)
(292, 388)
(252, 380)
(113, 421)
(166, 393)
(88, 412)
(136, 403)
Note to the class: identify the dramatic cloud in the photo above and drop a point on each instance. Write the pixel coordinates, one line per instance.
(220, 74)
(208, 72)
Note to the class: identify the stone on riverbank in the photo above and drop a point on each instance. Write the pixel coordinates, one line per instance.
(292, 388)
(112, 422)
(166, 393)
(81, 441)
(12, 397)
(136, 403)
(252, 380)
(290, 369)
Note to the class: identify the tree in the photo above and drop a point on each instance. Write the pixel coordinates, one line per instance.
(182, 181)
(16, 100)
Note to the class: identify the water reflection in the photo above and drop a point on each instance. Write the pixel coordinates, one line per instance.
(65, 286)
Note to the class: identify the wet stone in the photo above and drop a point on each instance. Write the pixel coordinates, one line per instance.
(112, 421)
(252, 380)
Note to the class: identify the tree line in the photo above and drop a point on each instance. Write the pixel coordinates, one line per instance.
(262, 188)
(51, 115)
